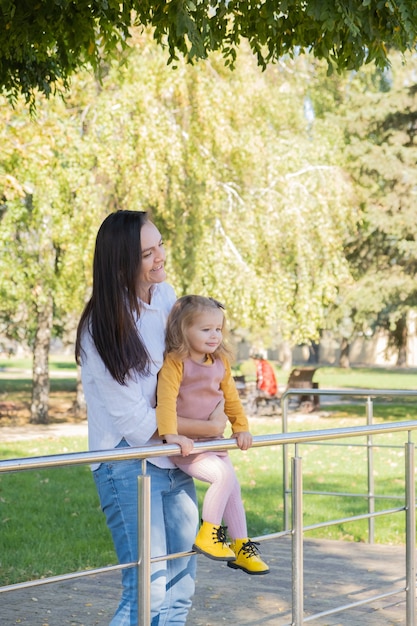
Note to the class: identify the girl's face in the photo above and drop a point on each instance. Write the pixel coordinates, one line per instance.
(152, 270)
(205, 333)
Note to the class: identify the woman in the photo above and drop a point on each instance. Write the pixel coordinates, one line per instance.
(120, 345)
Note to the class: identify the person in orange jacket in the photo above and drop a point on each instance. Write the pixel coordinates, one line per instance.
(266, 381)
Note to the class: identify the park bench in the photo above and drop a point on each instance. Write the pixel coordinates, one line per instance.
(241, 387)
(299, 378)
(302, 378)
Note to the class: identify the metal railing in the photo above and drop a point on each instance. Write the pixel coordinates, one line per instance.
(297, 530)
(369, 394)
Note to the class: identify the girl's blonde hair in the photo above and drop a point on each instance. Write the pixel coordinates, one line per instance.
(182, 316)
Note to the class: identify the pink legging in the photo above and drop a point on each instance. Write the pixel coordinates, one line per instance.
(222, 500)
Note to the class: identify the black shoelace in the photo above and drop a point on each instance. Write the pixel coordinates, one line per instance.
(249, 548)
(219, 534)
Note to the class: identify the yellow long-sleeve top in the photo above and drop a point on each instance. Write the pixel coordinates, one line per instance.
(191, 389)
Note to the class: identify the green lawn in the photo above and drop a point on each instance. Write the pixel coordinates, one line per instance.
(355, 377)
(57, 363)
(366, 378)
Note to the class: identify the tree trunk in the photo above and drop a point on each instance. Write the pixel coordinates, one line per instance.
(80, 407)
(286, 356)
(344, 353)
(314, 353)
(40, 379)
(401, 340)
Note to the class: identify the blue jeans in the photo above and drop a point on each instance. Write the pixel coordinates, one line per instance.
(174, 520)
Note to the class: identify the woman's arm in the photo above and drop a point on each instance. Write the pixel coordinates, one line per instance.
(213, 427)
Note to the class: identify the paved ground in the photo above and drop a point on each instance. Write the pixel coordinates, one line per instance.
(32, 431)
(336, 574)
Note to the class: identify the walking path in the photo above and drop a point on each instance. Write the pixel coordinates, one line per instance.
(40, 431)
(336, 573)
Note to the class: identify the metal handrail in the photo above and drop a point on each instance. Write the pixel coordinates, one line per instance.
(364, 393)
(150, 452)
(283, 439)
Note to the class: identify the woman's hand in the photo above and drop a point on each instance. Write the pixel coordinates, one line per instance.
(211, 428)
(243, 440)
(185, 443)
(218, 420)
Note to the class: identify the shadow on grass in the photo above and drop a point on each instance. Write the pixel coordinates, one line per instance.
(63, 366)
(24, 385)
(388, 411)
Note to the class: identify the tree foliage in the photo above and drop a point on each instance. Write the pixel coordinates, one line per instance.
(45, 213)
(253, 208)
(44, 232)
(254, 178)
(378, 113)
(43, 43)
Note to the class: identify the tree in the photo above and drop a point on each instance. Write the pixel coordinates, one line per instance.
(252, 210)
(43, 44)
(253, 202)
(45, 226)
(377, 110)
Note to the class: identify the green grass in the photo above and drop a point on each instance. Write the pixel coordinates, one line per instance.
(51, 520)
(354, 377)
(16, 377)
(366, 378)
(327, 468)
(56, 363)
(16, 380)
(22, 388)
(384, 410)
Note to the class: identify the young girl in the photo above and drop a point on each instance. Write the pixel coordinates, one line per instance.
(194, 378)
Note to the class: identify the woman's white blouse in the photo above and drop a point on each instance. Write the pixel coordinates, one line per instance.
(117, 411)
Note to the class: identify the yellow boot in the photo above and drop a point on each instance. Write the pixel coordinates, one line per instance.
(211, 541)
(247, 557)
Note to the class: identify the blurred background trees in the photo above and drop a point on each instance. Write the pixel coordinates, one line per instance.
(288, 194)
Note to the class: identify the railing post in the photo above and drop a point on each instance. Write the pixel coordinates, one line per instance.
(144, 548)
(371, 478)
(285, 475)
(410, 534)
(297, 542)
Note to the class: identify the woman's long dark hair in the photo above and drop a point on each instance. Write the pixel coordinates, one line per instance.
(114, 305)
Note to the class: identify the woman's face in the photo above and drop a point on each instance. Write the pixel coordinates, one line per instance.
(152, 270)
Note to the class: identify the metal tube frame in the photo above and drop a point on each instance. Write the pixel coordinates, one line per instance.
(410, 542)
(369, 394)
(144, 547)
(285, 476)
(297, 542)
(371, 476)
